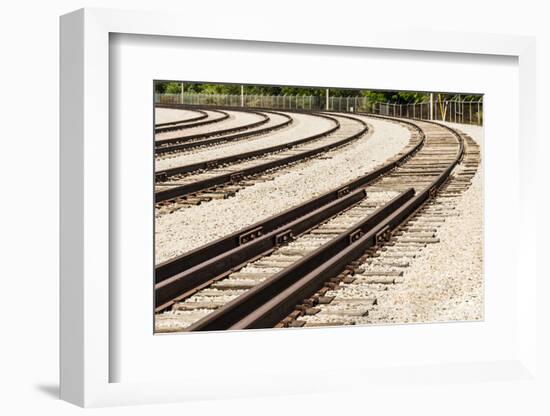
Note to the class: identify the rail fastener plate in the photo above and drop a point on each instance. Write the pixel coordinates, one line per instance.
(344, 191)
(236, 177)
(161, 177)
(383, 235)
(250, 235)
(283, 237)
(356, 235)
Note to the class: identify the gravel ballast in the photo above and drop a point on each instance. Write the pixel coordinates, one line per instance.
(192, 227)
(168, 115)
(444, 282)
(236, 119)
(303, 125)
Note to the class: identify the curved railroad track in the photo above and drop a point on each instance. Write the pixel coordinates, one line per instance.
(200, 115)
(276, 121)
(283, 271)
(358, 294)
(222, 177)
(209, 116)
(236, 120)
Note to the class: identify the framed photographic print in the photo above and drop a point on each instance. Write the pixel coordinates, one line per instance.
(238, 211)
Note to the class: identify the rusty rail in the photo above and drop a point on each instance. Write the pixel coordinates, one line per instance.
(270, 301)
(246, 155)
(249, 305)
(189, 137)
(209, 141)
(251, 244)
(202, 115)
(176, 269)
(232, 177)
(189, 123)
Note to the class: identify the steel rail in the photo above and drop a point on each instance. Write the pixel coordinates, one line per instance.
(182, 276)
(208, 164)
(252, 244)
(323, 266)
(197, 136)
(204, 253)
(272, 300)
(187, 125)
(205, 142)
(246, 304)
(232, 177)
(202, 115)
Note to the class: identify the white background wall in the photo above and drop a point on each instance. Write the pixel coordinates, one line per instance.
(29, 225)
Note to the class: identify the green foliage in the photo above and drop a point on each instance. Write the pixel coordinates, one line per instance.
(316, 92)
(173, 88)
(412, 97)
(160, 87)
(168, 87)
(262, 90)
(398, 97)
(375, 96)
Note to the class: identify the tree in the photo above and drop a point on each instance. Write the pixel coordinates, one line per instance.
(372, 96)
(173, 88)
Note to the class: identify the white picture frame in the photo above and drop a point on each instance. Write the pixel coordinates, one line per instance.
(86, 356)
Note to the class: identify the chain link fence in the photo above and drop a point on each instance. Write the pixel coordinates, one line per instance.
(281, 102)
(465, 111)
(455, 111)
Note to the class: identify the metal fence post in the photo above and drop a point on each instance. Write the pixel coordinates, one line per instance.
(478, 113)
(453, 107)
(453, 110)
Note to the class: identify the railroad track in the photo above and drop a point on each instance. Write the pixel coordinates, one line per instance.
(352, 295)
(221, 178)
(286, 270)
(246, 119)
(200, 115)
(207, 117)
(276, 121)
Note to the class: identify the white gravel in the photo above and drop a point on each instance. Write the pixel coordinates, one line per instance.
(236, 119)
(445, 281)
(192, 227)
(167, 115)
(476, 132)
(303, 125)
